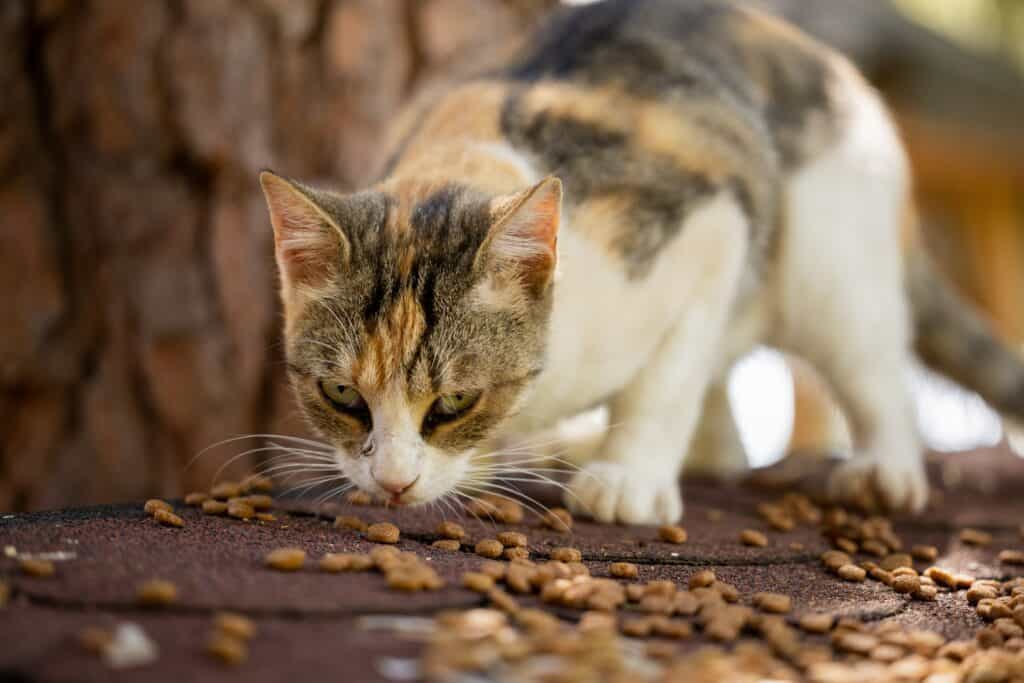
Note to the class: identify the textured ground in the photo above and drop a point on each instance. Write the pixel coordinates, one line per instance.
(314, 625)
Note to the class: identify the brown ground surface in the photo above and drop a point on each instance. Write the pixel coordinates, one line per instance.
(316, 626)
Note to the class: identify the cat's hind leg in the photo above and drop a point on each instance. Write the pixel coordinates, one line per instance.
(716, 448)
(651, 421)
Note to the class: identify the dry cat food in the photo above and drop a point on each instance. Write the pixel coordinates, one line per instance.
(702, 579)
(845, 544)
(349, 522)
(156, 593)
(214, 507)
(265, 517)
(1011, 557)
(975, 537)
(40, 568)
(451, 530)
(345, 562)
(359, 498)
(558, 519)
(566, 554)
(834, 559)
(515, 554)
(239, 509)
(225, 490)
(259, 501)
(941, 576)
(5, 594)
(286, 559)
(926, 553)
(776, 603)
(154, 504)
(489, 547)
(851, 572)
(94, 639)
(227, 649)
(672, 534)
(623, 570)
(906, 583)
(258, 483)
(495, 570)
(196, 498)
(512, 539)
(234, 625)
(897, 561)
(168, 518)
(449, 544)
(753, 538)
(382, 532)
(816, 623)
(477, 581)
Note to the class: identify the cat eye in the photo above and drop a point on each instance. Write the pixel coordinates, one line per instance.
(344, 398)
(450, 407)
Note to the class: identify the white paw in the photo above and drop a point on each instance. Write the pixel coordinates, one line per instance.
(873, 482)
(611, 492)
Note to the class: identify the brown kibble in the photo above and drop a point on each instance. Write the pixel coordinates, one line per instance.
(715, 515)
(451, 530)
(636, 628)
(258, 483)
(977, 593)
(775, 603)
(515, 554)
(225, 490)
(671, 533)
(259, 501)
(447, 544)
(886, 653)
(5, 594)
(495, 570)
(896, 561)
(623, 570)
(196, 498)
(154, 504)
(879, 574)
(265, 517)
(728, 591)
(239, 509)
(855, 642)
(558, 519)
(845, 544)
(95, 639)
(286, 559)
(478, 582)
(156, 593)
(359, 498)
(906, 583)
(382, 532)
(168, 518)
(941, 576)
(349, 522)
(345, 562)
(509, 511)
(851, 572)
(512, 539)
(214, 507)
(796, 546)
(1011, 557)
(834, 559)
(926, 553)
(40, 568)
(753, 538)
(566, 554)
(502, 600)
(816, 623)
(702, 579)
(489, 547)
(975, 537)
(875, 547)
(227, 649)
(234, 625)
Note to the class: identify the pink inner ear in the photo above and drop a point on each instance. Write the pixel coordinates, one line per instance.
(526, 237)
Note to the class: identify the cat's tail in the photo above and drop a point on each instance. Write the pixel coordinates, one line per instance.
(954, 339)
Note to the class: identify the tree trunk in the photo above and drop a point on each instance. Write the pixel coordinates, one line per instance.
(139, 307)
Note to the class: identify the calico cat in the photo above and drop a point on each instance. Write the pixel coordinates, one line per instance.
(613, 216)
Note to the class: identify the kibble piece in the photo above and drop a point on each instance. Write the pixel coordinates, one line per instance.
(345, 562)
(502, 600)
(259, 501)
(875, 547)
(566, 554)
(728, 591)
(515, 554)
(926, 592)
(154, 504)
(196, 498)
(509, 511)
(489, 547)
(349, 522)
(702, 579)
(845, 544)
(927, 553)
(495, 570)
(239, 509)
(942, 576)
(168, 518)
(886, 653)
(227, 649)
(834, 559)
(234, 625)
(95, 639)
(214, 507)
(623, 570)
(225, 490)
(636, 628)
(447, 544)
(156, 593)
(258, 483)
(512, 539)
(775, 603)
(359, 498)
(906, 583)
(558, 519)
(975, 537)
(977, 593)
(265, 517)
(40, 568)
(286, 559)
(383, 532)
(671, 533)
(816, 623)
(879, 574)
(5, 594)
(753, 538)
(852, 641)
(1011, 557)
(451, 530)
(477, 581)
(851, 572)
(896, 561)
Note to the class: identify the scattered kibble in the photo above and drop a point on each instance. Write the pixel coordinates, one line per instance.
(349, 522)
(896, 561)
(34, 567)
(975, 537)
(906, 583)
(489, 547)
(926, 553)
(672, 534)
(168, 518)
(94, 639)
(265, 517)
(234, 625)
(754, 538)
(226, 490)
(516, 554)
(834, 559)
(478, 582)
(776, 603)
(816, 623)
(227, 649)
(941, 576)
(156, 593)
(566, 554)
(154, 504)
(845, 544)
(1011, 557)
(558, 519)
(258, 483)
(214, 507)
(286, 559)
(345, 562)
(451, 530)
(512, 539)
(383, 532)
(851, 572)
(196, 498)
(239, 509)
(447, 544)
(359, 498)
(5, 593)
(623, 570)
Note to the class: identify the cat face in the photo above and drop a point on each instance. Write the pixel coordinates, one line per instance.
(415, 320)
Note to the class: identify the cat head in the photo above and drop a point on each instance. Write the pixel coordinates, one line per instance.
(415, 320)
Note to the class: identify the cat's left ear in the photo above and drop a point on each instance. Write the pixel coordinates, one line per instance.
(523, 239)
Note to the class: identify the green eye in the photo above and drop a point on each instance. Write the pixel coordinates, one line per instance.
(342, 397)
(450, 407)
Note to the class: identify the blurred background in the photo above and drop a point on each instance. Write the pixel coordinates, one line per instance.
(138, 310)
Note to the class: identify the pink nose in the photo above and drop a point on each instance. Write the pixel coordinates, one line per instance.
(397, 487)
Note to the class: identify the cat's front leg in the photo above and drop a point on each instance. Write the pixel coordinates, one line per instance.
(635, 479)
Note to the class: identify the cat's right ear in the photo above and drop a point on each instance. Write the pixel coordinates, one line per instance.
(309, 245)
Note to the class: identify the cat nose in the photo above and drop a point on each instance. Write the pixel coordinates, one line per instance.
(396, 486)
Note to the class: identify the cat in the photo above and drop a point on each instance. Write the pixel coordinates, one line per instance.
(612, 216)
